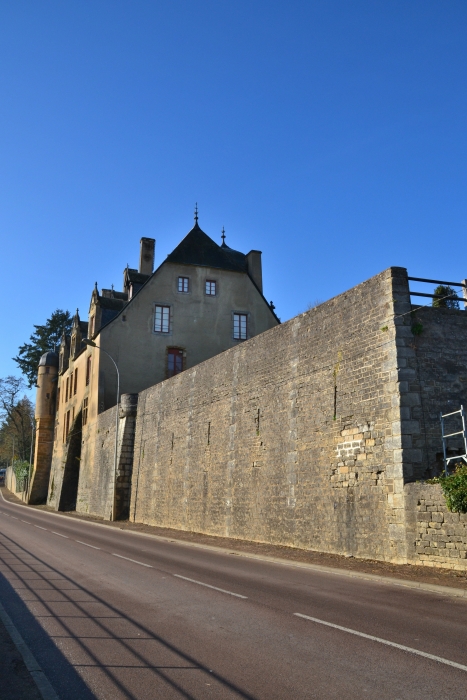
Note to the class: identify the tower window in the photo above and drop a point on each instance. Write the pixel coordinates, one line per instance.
(174, 361)
(88, 370)
(211, 288)
(183, 283)
(240, 326)
(85, 411)
(162, 319)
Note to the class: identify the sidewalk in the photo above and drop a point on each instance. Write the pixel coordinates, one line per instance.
(400, 572)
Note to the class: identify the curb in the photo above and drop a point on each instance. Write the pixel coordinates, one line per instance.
(318, 568)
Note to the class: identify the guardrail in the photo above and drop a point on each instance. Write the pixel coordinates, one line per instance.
(454, 297)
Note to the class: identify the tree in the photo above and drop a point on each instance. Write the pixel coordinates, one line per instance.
(44, 338)
(443, 291)
(16, 420)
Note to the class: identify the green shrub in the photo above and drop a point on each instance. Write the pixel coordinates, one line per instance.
(454, 488)
(21, 469)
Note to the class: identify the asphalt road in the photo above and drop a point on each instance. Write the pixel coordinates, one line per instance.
(115, 614)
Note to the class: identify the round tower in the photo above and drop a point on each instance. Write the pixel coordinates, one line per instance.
(47, 376)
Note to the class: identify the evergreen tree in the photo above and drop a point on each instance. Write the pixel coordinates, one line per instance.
(44, 338)
(443, 291)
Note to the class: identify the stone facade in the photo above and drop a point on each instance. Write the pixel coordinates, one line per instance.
(312, 434)
(291, 438)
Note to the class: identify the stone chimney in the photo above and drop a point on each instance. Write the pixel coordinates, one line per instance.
(253, 260)
(146, 256)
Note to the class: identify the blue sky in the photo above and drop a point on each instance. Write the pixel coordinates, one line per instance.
(330, 135)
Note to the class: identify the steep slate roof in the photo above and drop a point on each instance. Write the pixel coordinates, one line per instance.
(136, 277)
(198, 249)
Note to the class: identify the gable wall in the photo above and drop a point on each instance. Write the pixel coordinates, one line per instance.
(201, 325)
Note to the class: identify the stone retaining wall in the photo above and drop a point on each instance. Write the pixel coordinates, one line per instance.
(435, 536)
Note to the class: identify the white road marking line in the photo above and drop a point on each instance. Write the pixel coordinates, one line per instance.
(38, 675)
(25, 521)
(86, 544)
(12, 516)
(133, 560)
(385, 641)
(40, 528)
(57, 533)
(222, 590)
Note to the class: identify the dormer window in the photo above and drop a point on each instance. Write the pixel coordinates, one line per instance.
(183, 285)
(91, 326)
(73, 346)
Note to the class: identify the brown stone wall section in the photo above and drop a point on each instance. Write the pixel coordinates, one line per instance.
(436, 537)
(95, 492)
(293, 437)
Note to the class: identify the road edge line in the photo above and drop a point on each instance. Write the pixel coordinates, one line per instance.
(319, 568)
(37, 674)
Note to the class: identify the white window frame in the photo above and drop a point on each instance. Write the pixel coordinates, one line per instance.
(182, 279)
(209, 294)
(238, 319)
(165, 320)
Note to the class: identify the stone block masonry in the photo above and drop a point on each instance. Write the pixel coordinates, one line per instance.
(307, 435)
(435, 537)
(289, 438)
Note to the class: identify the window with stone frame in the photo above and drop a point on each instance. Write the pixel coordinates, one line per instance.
(183, 285)
(85, 411)
(88, 370)
(174, 361)
(162, 319)
(240, 326)
(211, 288)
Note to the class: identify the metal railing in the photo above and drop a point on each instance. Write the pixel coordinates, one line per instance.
(454, 297)
(445, 437)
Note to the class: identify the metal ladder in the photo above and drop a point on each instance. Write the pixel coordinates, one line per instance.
(449, 435)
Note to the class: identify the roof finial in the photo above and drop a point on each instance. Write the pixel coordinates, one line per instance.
(223, 236)
(196, 213)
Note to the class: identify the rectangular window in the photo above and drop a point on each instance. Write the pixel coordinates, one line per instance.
(67, 387)
(88, 370)
(174, 361)
(240, 326)
(211, 288)
(183, 284)
(85, 411)
(66, 427)
(76, 381)
(91, 326)
(162, 319)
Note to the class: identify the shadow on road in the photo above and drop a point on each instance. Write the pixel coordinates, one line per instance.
(77, 621)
